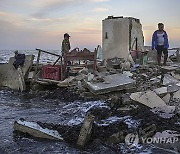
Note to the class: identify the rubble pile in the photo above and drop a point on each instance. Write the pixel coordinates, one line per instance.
(133, 98)
(151, 96)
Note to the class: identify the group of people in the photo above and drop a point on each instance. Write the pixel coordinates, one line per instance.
(159, 43)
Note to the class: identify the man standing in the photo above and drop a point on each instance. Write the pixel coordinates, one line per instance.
(66, 44)
(160, 43)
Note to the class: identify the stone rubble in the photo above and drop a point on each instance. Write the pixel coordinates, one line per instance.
(151, 94)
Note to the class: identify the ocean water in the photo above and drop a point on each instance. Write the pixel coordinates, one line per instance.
(45, 58)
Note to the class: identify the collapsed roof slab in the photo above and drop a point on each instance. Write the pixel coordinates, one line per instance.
(148, 98)
(153, 101)
(113, 82)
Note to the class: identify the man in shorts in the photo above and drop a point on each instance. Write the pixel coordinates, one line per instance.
(160, 43)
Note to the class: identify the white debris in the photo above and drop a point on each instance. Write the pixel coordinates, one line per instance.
(148, 98)
(158, 106)
(33, 125)
(176, 95)
(160, 91)
(166, 98)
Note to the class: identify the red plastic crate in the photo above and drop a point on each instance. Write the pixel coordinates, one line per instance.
(51, 72)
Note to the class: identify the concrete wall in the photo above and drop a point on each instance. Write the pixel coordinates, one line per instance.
(118, 34)
(9, 76)
(136, 32)
(115, 38)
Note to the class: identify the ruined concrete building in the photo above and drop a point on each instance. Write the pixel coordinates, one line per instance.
(121, 34)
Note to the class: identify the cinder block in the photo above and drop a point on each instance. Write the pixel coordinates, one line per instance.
(85, 130)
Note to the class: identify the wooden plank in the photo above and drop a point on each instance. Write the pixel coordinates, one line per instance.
(48, 52)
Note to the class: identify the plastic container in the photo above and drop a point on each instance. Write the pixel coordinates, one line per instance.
(51, 72)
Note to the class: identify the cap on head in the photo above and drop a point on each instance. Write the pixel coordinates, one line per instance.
(66, 35)
(160, 24)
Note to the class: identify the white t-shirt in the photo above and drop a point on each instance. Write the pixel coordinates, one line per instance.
(160, 38)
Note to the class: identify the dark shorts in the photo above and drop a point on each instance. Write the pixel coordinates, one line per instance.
(160, 49)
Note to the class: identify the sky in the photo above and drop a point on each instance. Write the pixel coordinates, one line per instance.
(30, 24)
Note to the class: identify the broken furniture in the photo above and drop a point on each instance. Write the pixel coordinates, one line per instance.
(84, 55)
(52, 72)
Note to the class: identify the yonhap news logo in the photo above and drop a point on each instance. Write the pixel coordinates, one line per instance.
(133, 140)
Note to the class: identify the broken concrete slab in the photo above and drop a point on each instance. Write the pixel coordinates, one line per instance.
(176, 95)
(171, 88)
(166, 98)
(148, 98)
(168, 79)
(33, 129)
(155, 80)
(113, 82)
(9, 76)
(170, 68)
(85, 130)
(161, 91)
(176, 76)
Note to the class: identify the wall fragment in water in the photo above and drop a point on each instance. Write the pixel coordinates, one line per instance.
(12, 78)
